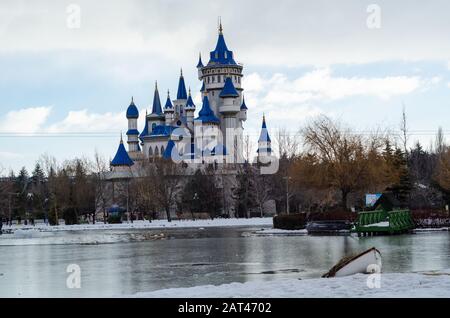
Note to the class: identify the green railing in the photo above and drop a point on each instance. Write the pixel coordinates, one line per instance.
(384, 222)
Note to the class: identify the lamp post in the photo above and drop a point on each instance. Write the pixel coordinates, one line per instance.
(287, 178)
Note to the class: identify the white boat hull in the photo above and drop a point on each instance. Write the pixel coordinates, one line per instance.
(365, 263)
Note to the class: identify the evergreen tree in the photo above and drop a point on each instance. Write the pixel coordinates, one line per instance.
(200, 194)
(38, 175)
(403, 187)
(21, 188)
(244, 192)
(39, 190)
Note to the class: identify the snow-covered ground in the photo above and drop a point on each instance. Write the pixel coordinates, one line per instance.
(389, 285)
(431, 229)
(156, 224)
(275, 232)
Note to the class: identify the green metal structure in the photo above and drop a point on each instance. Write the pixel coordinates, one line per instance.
(382, 222)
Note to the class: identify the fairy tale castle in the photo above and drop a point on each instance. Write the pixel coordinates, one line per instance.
(174, 130)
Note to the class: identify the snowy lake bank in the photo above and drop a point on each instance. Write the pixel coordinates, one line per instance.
(429, 284)
(140, 225)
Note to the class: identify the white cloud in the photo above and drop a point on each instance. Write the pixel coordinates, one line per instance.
(26, 120)
(5, 155)
(448, 84)
(35, 120)
(286, 101)
(321, 85)
(83, 121)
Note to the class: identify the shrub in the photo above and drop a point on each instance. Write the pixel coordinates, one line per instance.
(115, 218)
(290, 222)
(70, 216)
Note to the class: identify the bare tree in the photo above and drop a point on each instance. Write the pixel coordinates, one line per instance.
(100, 168)
(442, 172)
(338, 158)
(288, 144)
(262, 188)
(165, 176)
(248, 148)
(439, 144)
(404, 131)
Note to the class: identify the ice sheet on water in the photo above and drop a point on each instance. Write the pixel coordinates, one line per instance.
(36, 237)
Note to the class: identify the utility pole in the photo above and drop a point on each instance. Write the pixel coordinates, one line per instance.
(287, 193)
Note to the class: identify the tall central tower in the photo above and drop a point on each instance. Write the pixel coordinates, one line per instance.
(222, 78)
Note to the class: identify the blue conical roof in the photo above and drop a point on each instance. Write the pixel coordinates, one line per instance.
(132, 111)
(156, 109)
(228, 89)
(145, 131)
(122, 158)
(221, 54)
(243, 106)
(190, 102)
(206, 114)
(264, 136)
(168, 102)
(181, 93)
(200, 63)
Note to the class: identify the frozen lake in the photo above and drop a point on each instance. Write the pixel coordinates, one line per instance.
(124, 262)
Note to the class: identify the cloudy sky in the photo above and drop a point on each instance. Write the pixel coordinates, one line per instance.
(65, 82)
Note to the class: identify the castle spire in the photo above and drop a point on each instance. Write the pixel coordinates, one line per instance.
(181, 93)
(156, 109)
(220, 25)
(200, 63)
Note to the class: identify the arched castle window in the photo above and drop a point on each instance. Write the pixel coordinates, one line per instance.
(153, 126)
(150, 152)
(156, 151)
(162, 150)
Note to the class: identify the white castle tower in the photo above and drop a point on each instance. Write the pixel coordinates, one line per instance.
(133, 133)
(221, 79)
(264, 143)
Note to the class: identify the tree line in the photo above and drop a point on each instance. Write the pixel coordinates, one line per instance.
(325, 166)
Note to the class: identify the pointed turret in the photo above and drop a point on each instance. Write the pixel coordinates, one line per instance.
(264, 142)
(200, 63)
(221, 54)
(168, 109)
(243, 112)
(229, 95)
(181, 93)
(206, 115)
(243, 106)
(156, 109)
(190, 102)
(228, 89)
(190, 109)
(264, 135)
(132, 111)
(121, 158)
(168, 105)
(145, 131)
(132, 133)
